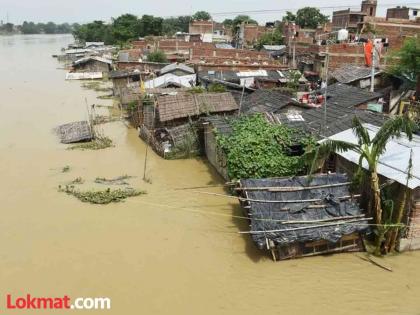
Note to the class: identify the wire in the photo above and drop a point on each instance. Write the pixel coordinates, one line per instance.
(269, 11)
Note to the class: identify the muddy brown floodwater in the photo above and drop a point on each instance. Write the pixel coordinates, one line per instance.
(169, 252)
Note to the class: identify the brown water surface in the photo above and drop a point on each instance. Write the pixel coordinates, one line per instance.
(169, 252)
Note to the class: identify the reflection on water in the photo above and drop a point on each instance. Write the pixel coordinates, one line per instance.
(170, 252)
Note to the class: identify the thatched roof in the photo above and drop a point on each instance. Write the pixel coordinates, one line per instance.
(184, 104)
(215, 102)
(74, 132)
(324, 199)
(180, 105)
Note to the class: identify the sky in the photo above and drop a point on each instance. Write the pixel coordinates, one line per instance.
(83, 11)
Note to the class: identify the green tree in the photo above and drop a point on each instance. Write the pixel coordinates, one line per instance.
(369, 150)
(289, 17)
(201, 16)
(149, 25)
(228, 23)
(309, 17)
(273, 38)
(50, 28)
(125, 28)
(64, 28)
(30, 28)
(96, 31)
(408, 63)
(157, 56)
(172, 25)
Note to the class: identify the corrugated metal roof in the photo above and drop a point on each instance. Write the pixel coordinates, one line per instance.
(87, 59)
(350, 73)
(177, 66)
(393, 163)
(274, 47)
(171, 79)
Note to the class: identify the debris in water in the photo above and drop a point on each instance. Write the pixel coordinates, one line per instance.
(65, 169)
(96, 86)
(103, 196)
(77, 181)
(105, 97)
(98, 143)
(120, 180)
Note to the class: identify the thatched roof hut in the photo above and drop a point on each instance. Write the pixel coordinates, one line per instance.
(297, 217)
(75, 132)
(184, 104)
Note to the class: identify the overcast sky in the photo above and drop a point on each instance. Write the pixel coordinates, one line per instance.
(88, 10)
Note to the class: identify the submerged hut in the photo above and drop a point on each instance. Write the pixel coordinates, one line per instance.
(92, 64)
(170, 119)
(78, 131)
(301, 216)
(122, 78)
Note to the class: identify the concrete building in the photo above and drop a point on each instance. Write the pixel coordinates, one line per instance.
(350, 19)
(403, 13)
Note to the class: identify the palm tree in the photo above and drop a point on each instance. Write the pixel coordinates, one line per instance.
(369, 150)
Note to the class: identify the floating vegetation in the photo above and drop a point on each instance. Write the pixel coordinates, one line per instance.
(98, 143)
(77, 181)
(120, 180)
(96, 86)
(105, 97)
(102, 196)
(101, 119)
(65, 169)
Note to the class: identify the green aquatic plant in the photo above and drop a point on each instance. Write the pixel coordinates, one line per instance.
(101, 196)
(98, 143)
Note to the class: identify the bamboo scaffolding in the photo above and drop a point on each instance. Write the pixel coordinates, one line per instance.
(306, 227)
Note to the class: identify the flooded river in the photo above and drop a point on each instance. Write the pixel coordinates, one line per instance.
(168, 252)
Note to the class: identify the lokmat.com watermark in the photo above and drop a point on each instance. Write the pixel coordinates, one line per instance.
(29, 302)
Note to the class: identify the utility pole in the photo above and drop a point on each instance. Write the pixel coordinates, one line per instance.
(327, 60)
(294, 54)
(372, 73)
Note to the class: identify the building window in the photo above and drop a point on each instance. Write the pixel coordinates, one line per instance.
(415, 12)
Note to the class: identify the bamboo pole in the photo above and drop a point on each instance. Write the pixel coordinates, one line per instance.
(330, 251)
(325, 220)
(291, 188)
(369, 259)
(305, 227)
(272, 201)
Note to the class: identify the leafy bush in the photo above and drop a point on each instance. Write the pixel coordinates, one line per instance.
(157, 56)
(257, 149)
(217, 88)
(196, 90)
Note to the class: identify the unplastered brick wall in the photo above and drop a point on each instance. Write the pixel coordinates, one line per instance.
(236, 67)
(198, 53)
